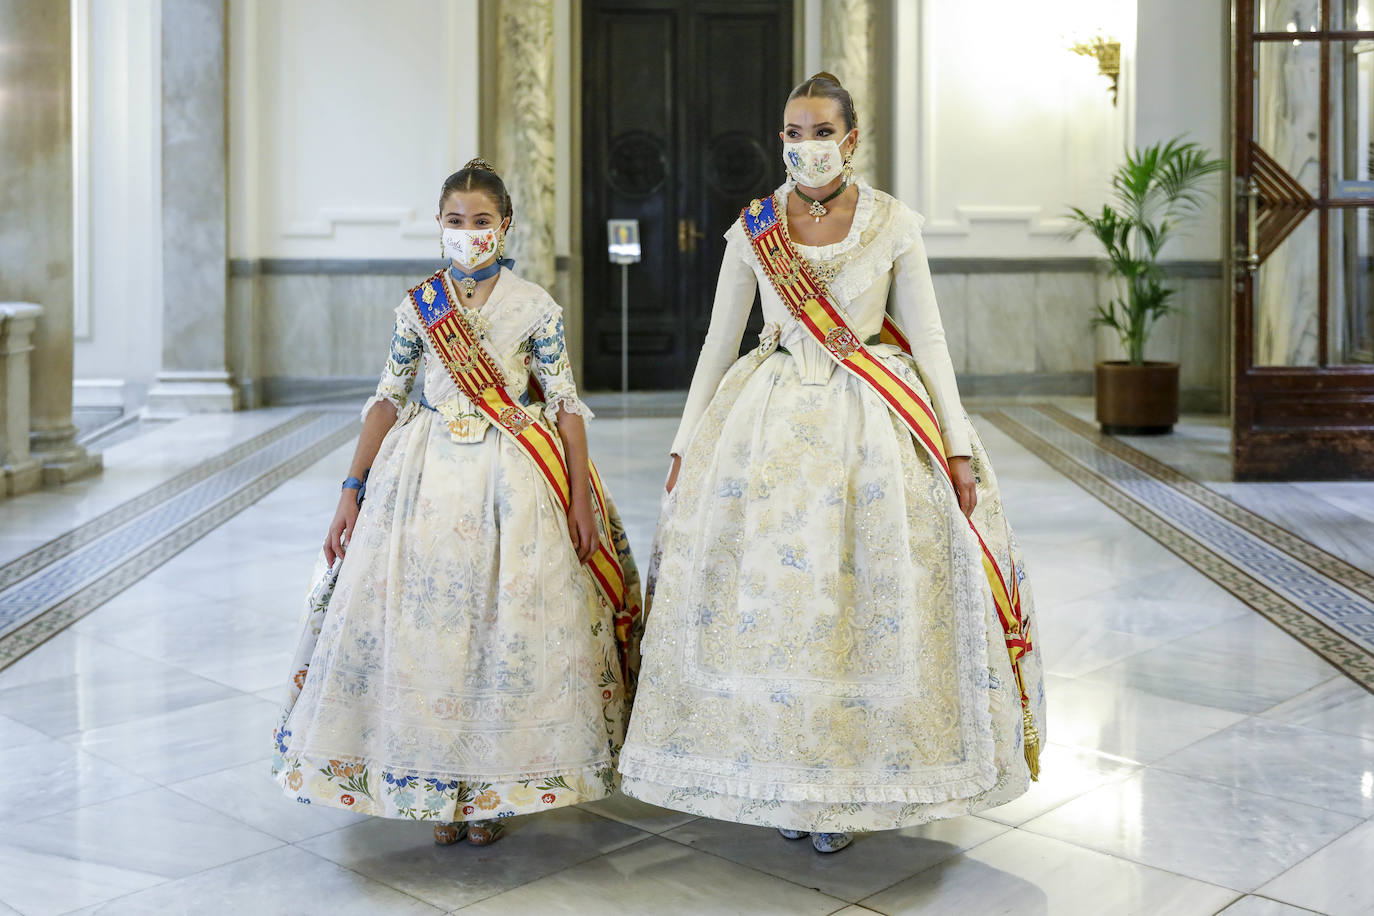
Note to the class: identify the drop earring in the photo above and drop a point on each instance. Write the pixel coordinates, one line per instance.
(847, 170)
(442, 253)
(501, 247)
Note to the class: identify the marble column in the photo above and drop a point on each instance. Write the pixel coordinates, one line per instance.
(525, 131)
(20, 472)
(848, 51)
(36, 245)
(194, 376)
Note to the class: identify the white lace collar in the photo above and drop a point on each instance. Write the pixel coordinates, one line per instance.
(863, 215)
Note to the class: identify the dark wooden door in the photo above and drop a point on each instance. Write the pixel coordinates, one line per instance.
(1304, 233)
(681, 104)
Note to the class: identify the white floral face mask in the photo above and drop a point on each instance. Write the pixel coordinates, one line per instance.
(813, 163)
(469, 247)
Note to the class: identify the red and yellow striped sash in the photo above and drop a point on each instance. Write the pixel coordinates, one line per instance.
(480, 377)
(808, 300)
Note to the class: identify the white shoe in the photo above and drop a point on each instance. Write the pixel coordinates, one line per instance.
(831, 842)
(793, 834)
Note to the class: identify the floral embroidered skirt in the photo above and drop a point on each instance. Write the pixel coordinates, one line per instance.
(822, 651)
(459, 664)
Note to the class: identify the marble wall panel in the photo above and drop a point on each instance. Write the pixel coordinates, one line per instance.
(951, 292)
(1064, 304)
(1000, 309)
(1008, 333)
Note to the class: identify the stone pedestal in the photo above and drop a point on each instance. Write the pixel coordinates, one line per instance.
(19, 471)
(194, 377)
(36, 245)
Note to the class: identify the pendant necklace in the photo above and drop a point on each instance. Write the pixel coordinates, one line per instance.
(818, 206)
(467, 282)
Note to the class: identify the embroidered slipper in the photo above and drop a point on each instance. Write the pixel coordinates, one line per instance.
(484, 833)
(831, 842)
(449, 834)
(793, 834)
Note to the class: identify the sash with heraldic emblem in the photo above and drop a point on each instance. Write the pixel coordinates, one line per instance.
(481, 379)
(808, 300)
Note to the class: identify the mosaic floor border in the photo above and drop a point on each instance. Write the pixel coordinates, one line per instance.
(1144, 507)
(211, 498)
(23, 566)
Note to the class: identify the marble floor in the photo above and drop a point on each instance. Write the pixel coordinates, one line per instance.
(1201, 759)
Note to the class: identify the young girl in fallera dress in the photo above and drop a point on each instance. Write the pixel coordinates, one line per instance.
(841, 636)
(470, 651)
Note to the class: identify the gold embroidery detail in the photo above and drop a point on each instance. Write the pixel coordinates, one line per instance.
(755, 207)
(429, 294)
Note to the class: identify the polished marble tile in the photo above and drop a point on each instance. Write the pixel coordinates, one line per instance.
(1251, 905)
(239, 647)
(67, 653)
(249, 794)
(1235, 665)
(189, 742)
(124, 686)
(1065, 773)
(1339, 705)
(1019, 873)
(661, 877)
(156, 832)
(632, 811)
(48, 777)
(873, 862)
(1214, 833)
(38, 884)
(1335, 880)
(1149, 608)
(16, 734)
(402, 854)
(281, 881)
(1288, 761)
(1074, 647)
(1126, 722)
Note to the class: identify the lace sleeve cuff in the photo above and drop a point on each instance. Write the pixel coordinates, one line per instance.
(569, 402)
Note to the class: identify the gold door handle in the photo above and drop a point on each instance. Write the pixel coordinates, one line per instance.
(688, 234)
(1249, 259)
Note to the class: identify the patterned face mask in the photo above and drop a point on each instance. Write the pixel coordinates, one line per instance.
(813, 163)
(469, 247)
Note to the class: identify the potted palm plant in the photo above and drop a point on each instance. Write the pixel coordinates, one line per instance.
(1155, 192)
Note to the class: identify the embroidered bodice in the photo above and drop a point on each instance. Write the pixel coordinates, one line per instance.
(880, 266)
(519, 325)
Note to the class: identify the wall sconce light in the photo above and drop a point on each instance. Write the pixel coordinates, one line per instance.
(1107, 51)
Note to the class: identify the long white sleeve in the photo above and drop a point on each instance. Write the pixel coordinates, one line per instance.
(729, 314)
(919, 317)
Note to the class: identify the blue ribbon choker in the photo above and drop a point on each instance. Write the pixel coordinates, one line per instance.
(468, 282)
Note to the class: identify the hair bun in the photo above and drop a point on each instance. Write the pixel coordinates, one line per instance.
(480, 163)
(825, 75)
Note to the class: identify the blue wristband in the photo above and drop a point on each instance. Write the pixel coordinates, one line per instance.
(354, 483)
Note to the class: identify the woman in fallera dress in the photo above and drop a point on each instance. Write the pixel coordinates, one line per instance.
(469, 652)
(841, 636)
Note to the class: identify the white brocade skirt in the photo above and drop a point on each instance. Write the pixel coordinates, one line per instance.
(822, 651)
(459, 664)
